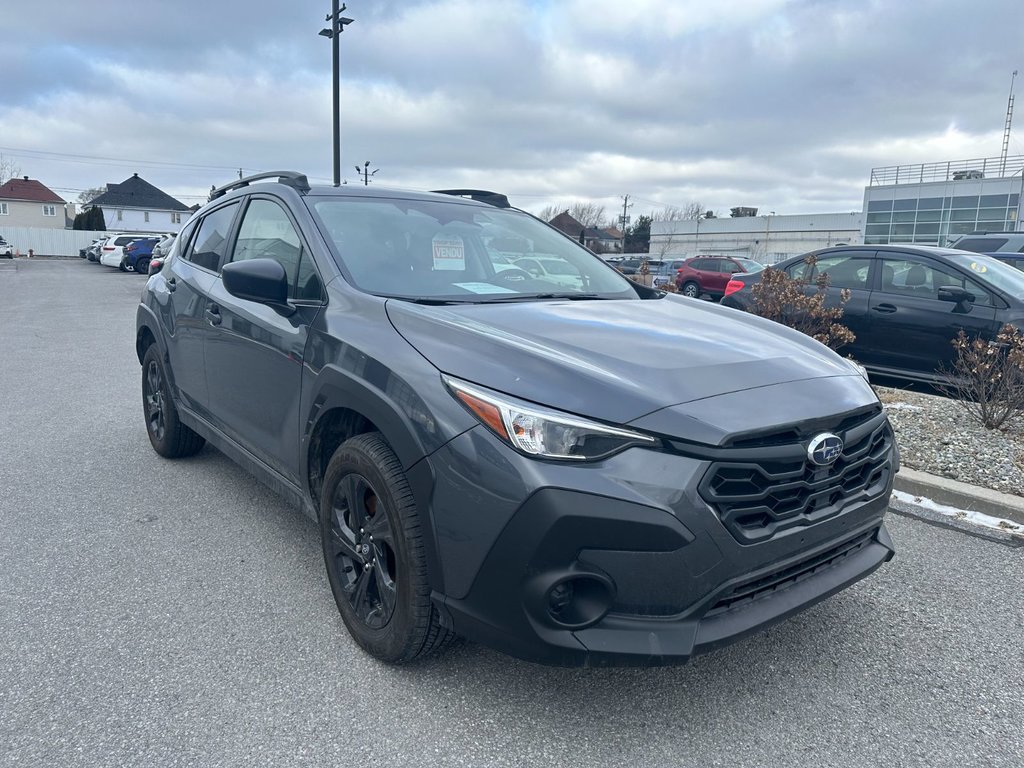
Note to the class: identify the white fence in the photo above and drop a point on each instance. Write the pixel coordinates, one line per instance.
(48, 242)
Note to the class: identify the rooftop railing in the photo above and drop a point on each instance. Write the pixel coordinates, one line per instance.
(951, 170)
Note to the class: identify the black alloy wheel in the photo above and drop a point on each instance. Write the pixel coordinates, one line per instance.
(374, 552)
(168, 436)
(142, 266)
(362, 542)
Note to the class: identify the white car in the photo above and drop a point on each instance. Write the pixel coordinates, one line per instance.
(552, 269)
(6, 249)
(112, 251)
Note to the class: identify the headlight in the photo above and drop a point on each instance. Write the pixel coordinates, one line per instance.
(539, 431)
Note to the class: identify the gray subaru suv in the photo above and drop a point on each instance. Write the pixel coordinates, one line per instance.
(574, 474)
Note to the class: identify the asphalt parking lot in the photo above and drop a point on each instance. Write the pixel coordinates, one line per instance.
(159, 613)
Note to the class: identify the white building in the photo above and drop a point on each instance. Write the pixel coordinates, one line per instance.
(767, 239)
(135, 205)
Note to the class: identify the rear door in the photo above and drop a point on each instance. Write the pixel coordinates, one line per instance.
(254, 354)
(847, 271)
(910, 328)
(190, 278)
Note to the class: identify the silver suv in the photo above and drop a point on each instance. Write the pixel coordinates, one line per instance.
(991, 242)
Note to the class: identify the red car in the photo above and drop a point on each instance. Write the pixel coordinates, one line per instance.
(710, 274)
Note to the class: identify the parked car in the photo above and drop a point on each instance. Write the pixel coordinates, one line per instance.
(574, 475)
(667, 271)
(163, 247)
(701, 275)
(1013, 259)
(990, 242)
(6, 249)
(112, 250)
(907, 303)
(551, 269)
(137, 254)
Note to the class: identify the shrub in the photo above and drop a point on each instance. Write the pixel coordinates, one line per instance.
(987, 377)
(789, 301)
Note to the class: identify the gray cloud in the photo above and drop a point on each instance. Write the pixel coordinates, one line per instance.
(782, 104)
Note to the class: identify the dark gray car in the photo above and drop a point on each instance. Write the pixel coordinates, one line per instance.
(574, 475)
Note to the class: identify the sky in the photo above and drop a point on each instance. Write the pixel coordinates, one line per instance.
(782, 105)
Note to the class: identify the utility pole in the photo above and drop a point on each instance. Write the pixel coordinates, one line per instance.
(338, 23)
(365, 170)
(624, 221)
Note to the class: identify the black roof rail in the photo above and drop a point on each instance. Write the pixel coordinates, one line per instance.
(496, 199)
(293, 179)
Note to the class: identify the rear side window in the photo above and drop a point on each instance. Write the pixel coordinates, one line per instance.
(211, 241)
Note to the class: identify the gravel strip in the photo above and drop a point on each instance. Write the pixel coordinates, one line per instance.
(936, 435)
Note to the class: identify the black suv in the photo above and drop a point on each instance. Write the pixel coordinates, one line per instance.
(587, 474)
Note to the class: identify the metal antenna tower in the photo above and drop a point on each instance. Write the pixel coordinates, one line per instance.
(1006, 129)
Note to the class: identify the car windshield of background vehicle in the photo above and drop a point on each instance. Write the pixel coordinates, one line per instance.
(750, 265)
(994, 272)
(417, 249)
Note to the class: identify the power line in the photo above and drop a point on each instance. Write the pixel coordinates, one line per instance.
(99, 159)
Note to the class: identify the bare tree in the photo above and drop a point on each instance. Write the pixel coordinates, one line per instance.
(88, 195)
(8, 169)
(548, 212)
(587, 214)
(662, 244)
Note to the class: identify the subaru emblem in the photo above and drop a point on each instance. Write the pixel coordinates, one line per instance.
(824, 449)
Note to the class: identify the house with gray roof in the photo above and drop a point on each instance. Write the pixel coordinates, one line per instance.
(135, 205)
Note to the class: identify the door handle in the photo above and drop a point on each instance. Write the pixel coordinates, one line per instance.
(213, 314)
(172, 284)
(885, 309)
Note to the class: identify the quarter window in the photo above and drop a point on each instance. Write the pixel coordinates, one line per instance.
(210, 243)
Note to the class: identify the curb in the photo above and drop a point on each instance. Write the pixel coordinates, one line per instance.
(953, 493)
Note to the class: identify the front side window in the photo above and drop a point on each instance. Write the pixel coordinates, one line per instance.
(913, 278)
(267, 233)
(211, 241)
(453, 251)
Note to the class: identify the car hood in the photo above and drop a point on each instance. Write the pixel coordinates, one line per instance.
(612, 360)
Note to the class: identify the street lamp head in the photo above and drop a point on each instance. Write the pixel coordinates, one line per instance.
(326, 33)
(344, 20)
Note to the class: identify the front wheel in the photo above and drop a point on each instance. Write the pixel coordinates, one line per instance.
(691, 289)
(169, 437)
(373, 548)
(142, 266)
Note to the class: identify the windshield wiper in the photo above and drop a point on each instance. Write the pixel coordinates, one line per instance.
(533, 296)
(428, 300)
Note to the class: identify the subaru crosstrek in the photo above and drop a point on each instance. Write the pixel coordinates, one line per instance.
(577, 474)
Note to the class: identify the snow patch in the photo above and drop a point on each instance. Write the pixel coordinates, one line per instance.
(966, 515)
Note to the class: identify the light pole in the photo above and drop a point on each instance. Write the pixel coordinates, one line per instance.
(365, 170)
(338, 23)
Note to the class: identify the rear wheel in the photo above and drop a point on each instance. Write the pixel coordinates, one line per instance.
(373, 549)
(169, 437)
(122, 267)
(691, 289)
(142, 266)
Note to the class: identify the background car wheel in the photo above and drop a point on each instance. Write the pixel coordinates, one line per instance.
(170, 438)
(142, 266)
(691, 289)
(373, 549)
(122, 267)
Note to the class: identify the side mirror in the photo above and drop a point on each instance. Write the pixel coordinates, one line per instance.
(261, 280)
(955, 294)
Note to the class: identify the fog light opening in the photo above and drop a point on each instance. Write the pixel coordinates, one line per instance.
(579, 601)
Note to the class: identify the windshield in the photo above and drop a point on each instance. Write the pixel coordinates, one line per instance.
(750, 265)
(991, 271)
(426, 249)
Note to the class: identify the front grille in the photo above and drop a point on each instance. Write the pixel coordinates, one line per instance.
(777, 488)
(746, 592)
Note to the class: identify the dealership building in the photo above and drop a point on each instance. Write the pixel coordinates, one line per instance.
(927, 203)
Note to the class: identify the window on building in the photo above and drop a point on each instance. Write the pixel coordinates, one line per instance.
(120, 215)
(145, 215)
(49, 210)
(3, 209)
(175, 218)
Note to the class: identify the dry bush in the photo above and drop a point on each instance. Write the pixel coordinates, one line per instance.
(786, 300)
(987, 377)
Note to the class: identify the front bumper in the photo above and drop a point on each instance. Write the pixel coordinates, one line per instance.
(656, 575)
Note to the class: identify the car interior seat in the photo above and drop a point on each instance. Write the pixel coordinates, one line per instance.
(888, 277)
(917, 279)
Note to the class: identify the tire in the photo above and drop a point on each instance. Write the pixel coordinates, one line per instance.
(372, 539)
(690, 289)
(142, 267)
(122, 267)
(169, 437)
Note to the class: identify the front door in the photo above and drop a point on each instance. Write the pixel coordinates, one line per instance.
(254, 353)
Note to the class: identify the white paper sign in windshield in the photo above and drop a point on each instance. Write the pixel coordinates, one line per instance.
(449, 253)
